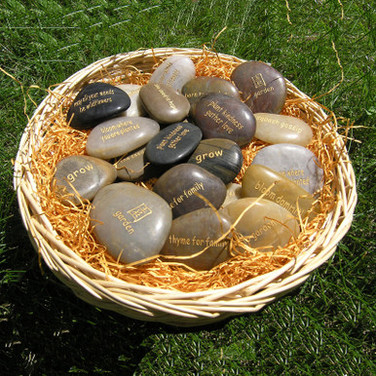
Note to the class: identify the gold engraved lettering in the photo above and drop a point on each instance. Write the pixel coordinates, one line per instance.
(281, 124)
(264, 91)
(210, 155)
(200, 242)
(166, 97)
(173, 77)
(258, 80)
(118, 130)
(186, 194)
(140, 212)
(263, 229)
(72, 176)
(126, 223)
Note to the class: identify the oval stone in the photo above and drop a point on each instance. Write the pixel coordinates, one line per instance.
(180, 185)
(95, 103)
(81, 177)
(163, 103)
(266, 224)
(278, 129)
(195, 231)
(197, 88)
(220, 156)
(257, 179)
(122, 214)
(221, 116)
(120, 136)
(175, 71)
(295, 162)
(173, 144)
(136, 108)
(262, 87)
(234, 192)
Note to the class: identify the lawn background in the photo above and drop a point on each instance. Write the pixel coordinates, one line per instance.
(326, 327)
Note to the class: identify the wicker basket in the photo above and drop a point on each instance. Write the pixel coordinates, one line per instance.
(164, 305)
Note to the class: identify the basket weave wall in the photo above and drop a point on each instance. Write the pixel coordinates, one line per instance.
(152, 304)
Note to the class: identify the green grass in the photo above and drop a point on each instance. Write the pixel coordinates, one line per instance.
(324, 328)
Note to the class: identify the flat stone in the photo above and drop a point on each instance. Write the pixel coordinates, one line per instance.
(136, 108)
(179, 185)
(132, 222)
(257, 179)
(295, 162)
(199, 87)
(195, 231)
(95, 103)
(173, 144)
(278, 129)
(116, 137)
(221, 116)
(220, 156)
(234, 192)
(267, 224)
(262, 87)
(175, 71)
(81, 177)
(163, 103)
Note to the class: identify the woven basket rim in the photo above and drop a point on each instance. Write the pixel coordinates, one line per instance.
(155, 304)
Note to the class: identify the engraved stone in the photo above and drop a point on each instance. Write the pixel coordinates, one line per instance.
(220, 156)
(120, 136)
(132, 222)
(295, 162)
(95, 103)
(81, 177)
(181, 186)
(234, 192)
(265, 224)
(257, 179)
(175, 71)
(173, 144)
(278, 129)
(163, 103)
(136, 108)
(221, 116)
(262, 87)
(195, 231)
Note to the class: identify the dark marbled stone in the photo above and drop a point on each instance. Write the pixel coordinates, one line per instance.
(220, 156)
(195, 231)
(221, 116)
(262, 87)
(179, 184)
(132, 222)
(173, 144)
(95, 103)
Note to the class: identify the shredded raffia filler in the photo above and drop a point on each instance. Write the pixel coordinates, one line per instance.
(72, 224)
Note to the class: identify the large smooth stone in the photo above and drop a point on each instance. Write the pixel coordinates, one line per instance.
(262, 87)
(175, 71)
(179, 185)
(234, 192)
(163, 103)
(95, 103)
(220, 156)
(267, 224)
(173, 144)
(197, 88)
(132, 222)
(136, 108)
(278, 129)
(195, 231)
(81, 177)
(295, 162)
(257, 179)
(221, 116)
(120, 136)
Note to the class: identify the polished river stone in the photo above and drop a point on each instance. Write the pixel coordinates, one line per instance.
(173, 144)
(116, 137)
(136, 108)
(257, 179)
(195, 231)
(220, 156)
(180, 185)
(175, 71)
(267, 224)
(132, 167)
(132, 222)
(262, 87)
(221, 116)
(95, 103)
(163, 103)
(295, 162)
(278, 129)
(81, 177)
(234, 192)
